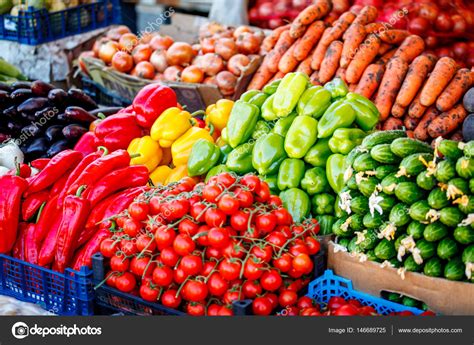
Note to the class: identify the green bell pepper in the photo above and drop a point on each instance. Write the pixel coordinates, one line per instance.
(302, 134)
(325, 223)
(261, 128)
(272, 181)
(247, 95)
(240, 159)
(242, 121)
(367, 114)
(289, 92)
(225, 150)
(338, 212)
(319, 153)
(290, 173)
(323, 204)
(216, 171)
(224, 135)
(268, 153)
(297, 202)
(344, 140)
(268, 114)
(204, 155)
(258, 99)
(283, 125)
(337, 87)
(314, 102)
(335, 171)
(271, 88)
(315, 181)
(339, 115)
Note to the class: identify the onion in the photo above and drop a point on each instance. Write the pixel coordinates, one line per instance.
(248, 43)
(192, 74)
(280, 7)
(180, 53)
(122, 61)
(266, 9)
(172, 73)
(226, 48)
(237, 64)
(226, 80)
(128, 41)
(428, 11)
(431, 42)
(108, 50)
(196, 49)
(240, 30)
(210, 81)
(444, 22)
(460, 50)
(158, 60)
(419, 26)
(86, 54)
(211, 64)
(98, 43)
(253, 15)
(459, 24)
(116, 33)
(275, 23)
(208, 45)
(144, 69)
(210, 29)
(161, 42)
(141, 52)
(159, 77)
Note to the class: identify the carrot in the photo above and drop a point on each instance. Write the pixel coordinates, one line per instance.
(384, 47)
(411, 47)
(461, 82)
(314, 78)
(297, 30)
(410, 123)
(417, 73)
(305, 66)
(270, 41)
(447, 122)
(398, 110)
(353, 37)
(393, 36)
(283, 44)
(363, 57)
(390, 85)
(331, 18)
(417, 109)
(420, 131)
(410, 134)
(373, 28)
(260, 78)
(309, 15)
(392, 123)
(443, 72)
(386, 57)
(366, 15)
(330, 62)
(277, 75)
(352, 87)
(339, 27)
(320, 50)
(288, 62)
(370, 80)
(341, 73)
(308, 40)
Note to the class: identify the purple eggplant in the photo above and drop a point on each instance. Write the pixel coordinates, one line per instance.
(58, 97)
(78, 114)
(41, 88)
(31, 131)
(20, 95)
(14, 127)
(80, 98)
(54, 133)
(5, 87)
(32, 105)
(47, 113)
(74, 132)
(11, 113)
(22, 85)
(36, 148)
(57, 147)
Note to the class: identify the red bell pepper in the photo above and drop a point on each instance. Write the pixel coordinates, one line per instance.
(127, 110)
(31, 246)
(32, 204)
(57, 167)
(23, 170)
(117, 131)
(11, 191)
(84, 255)
(48, 248)
(87, 144)
(47, 218)
(131, 176)
(151, 101)
(18, 250)
(76, 209)
(40, 163)
(58, 186)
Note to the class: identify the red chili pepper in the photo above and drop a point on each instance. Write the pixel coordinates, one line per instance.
(84, 256)
(57, 167)
(32, 204)
(131, 176)
(11, 190)
(40, 163)
(22, 170)
(47, 218)
(18, 250)
(100, 168)
(151, 101)
(84, 163)
(48, 249)
(76, 209)
(117, 131)
(87, 144)
(58, 186)
(31, 244)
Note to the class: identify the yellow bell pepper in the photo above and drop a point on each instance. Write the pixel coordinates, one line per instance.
(170, 125)
(150, 153)
(160, 174)
(218, 114)
(181, 148)
(177, 174)
(166, 160)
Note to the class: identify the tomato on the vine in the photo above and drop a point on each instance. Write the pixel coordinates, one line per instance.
(273, 298)
(218, 237)
(226, 310)
(191, 264)
(213, 309)
(217, 285)
(132, 227)
(183, 244)
(169, 257)
(188, 227)
(276, 238)
(230, 269)
(346, 310)
(251, 289)
(213, 252)
(252, 182)
(313, 245)
(253, 268)
(194, 291)
(336, 302)
(108, 247)
(196, 309)
(244, 197)
(142, 266)
(263, 253)
(145, 243)
(302, 263)
(287, 298)
(128, 247)
(306, 302)
(125, 282)
(164, 237)
(170, 299)
(231, 296)
(228, 204)
(283, 217)
(271, 280)
(239, 220)
(214, 217)
(266, 222)
(233, 250)
(119, 263)
(211, 192)
(262, 306)
(263, 192)
(138, 211)
(297, 249)
(197, 211)
(226, 179)
(148, 293)
(162, 276)
(283, 263)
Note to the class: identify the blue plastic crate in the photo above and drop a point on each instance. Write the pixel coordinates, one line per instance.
(69, 293)
(39, 26)
(329, 285)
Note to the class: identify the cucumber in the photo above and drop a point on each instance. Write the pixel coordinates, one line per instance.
(464, 234)
(390, 182)
(343, 241)
(447, 248)
(399, 215)
(460, 184)
(445, 171)
(357, 222)
(427, 182)
(468, 254)
(465, 167)
(450, 149)
(351, 183)
(382, 137)
(454, 269)
(395, 263)
(433, 267)
(360, 205)
(437, 199)
(339, 231)
(367, 185)
(415, 229)
(410, 302)
(370, 240)
(394, 297)
(352, 247)
(385, 250)
(408, 192)
(451, 216)
(435, 232)
(469, 206)
(371, 255)
(365, 162)
(350, 158)
(427, 249)
(382, 153)
(469, 149)
(404, 147)
(387, 202)
(384, 170)
(338, 212)
(413, 164)
(411, 265)
(398, 241)
(471, 185)
(373, 222)
(419, 210)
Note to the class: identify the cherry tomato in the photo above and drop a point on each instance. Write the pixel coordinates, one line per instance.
(276, 238)
(196, 309)
(283, 263)
(119, 263)
(202, 232)
(213, 309)
(131, 227)
(145, 243)
(231, 296)
(183, 245)
(251, 289)
(262, 306)
(428, 313)
(354, 302)
(271, 280)
(211, 192)
(164, 237)
(214, 217)
(312, 245)
(111, 279)
(287, 298)
(310, 312)
(306, 302)
(299, 248)
(233, 250)
(148, 293)
(170, 300)
(154, 205)
(197, 211)
(138, 211)
(274, 200)
(225, 179)
(218, 237)
(191, 264)
(346, 310)
(244, 197)
(194, 291)
(263, 253)
(217, 285)
(128, 247)
(121, 221)
(162, 276)
(265, 223)
(367, 311)
(169, 257)
(188, 227)
(228, 204)
(273, 299)
(226, 310)
(179, 276)
(213, 252)
(230, 269)
(336, 302)
(108, 247)
(283, 217)
(263, 192)
(125, 282)
(142, 266)
(302, 263)
(208, 267)
(239, 221)
(252, 182)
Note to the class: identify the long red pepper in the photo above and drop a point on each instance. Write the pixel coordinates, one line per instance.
(87, 144)
(18, 250)
(32, 204)
(31, 246)
(131, 176)
(84, 256)
(11, 191)
(40, 163)
(57, 167)
(48, 248)
(76, 209)
(46, 218)
(58, 186)
(99, 168)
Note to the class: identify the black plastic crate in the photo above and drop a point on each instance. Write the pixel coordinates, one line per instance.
(102, 95)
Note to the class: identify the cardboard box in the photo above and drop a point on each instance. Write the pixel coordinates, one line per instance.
(194, 96)
(441, 295)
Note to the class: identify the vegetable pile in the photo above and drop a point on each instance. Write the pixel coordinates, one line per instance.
(409, 207)
(199, 247)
